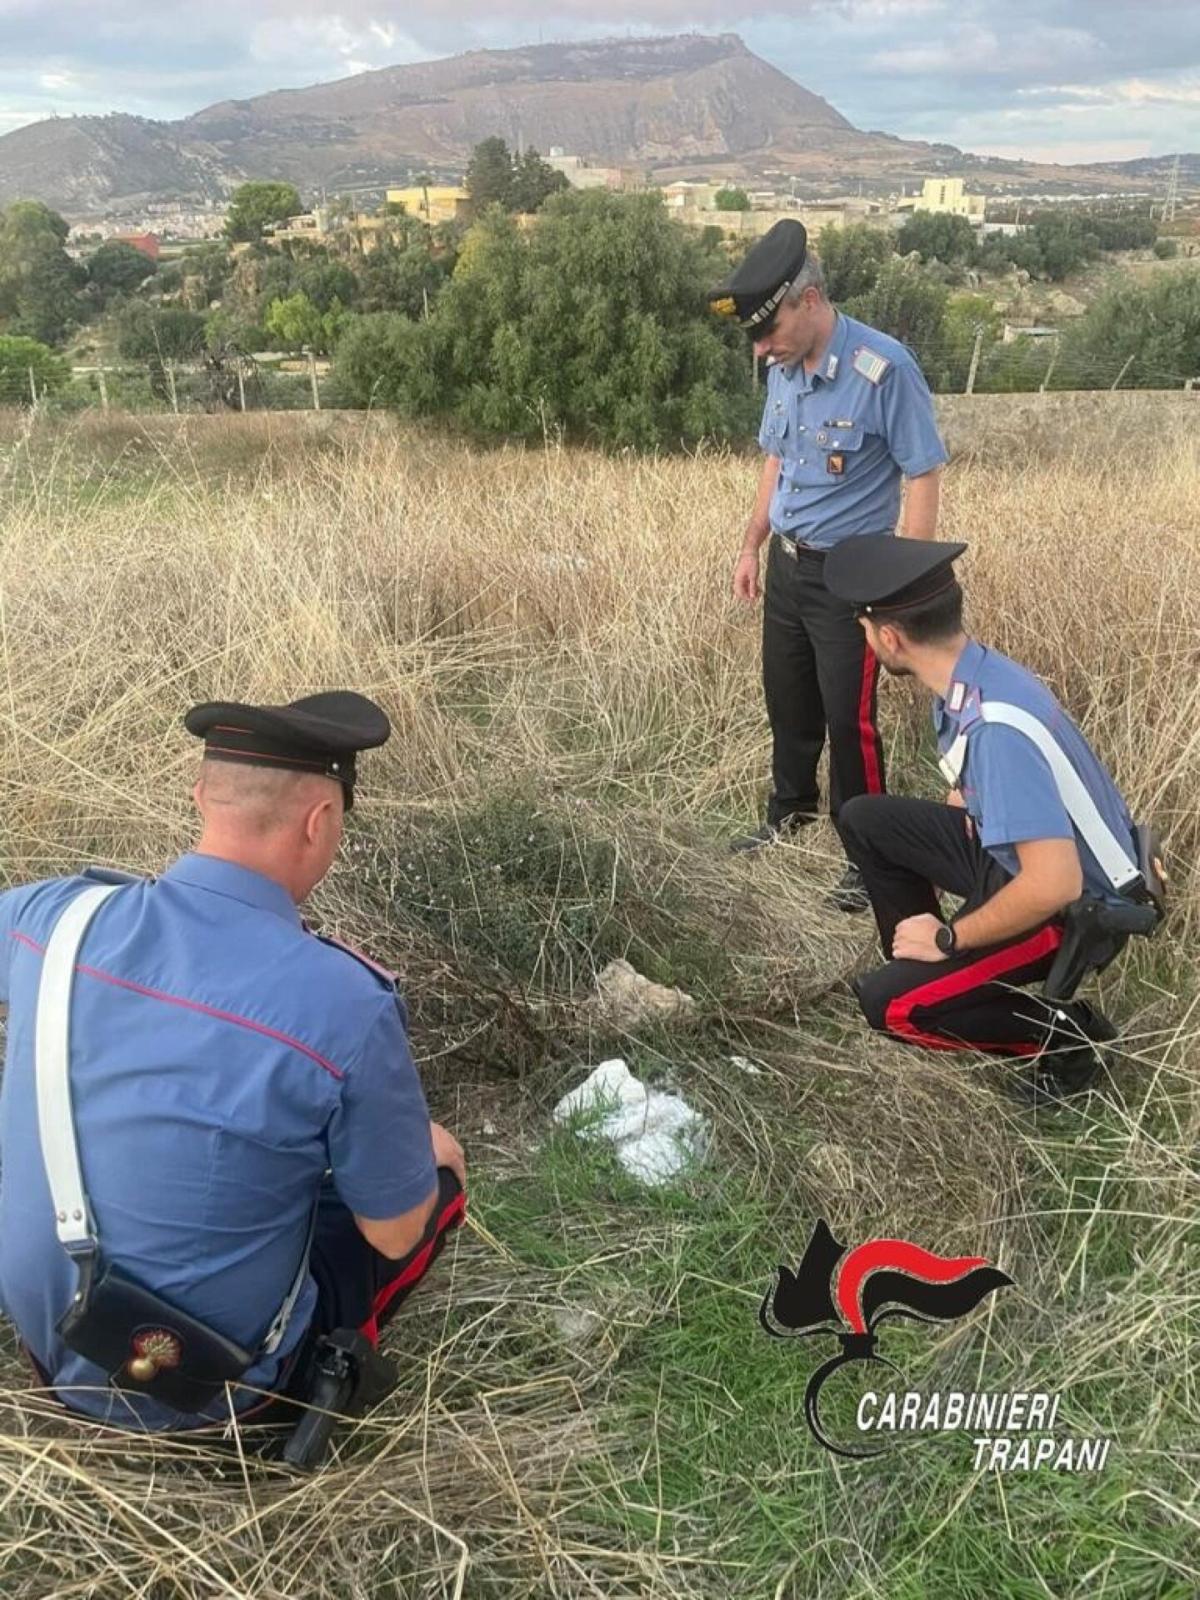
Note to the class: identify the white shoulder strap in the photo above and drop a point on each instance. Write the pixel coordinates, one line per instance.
(56, 1123)
(1115, 860)
(52, 1064)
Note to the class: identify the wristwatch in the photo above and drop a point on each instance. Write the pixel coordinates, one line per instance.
(945, 939)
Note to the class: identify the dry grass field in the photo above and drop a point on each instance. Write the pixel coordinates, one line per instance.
(588, 1406)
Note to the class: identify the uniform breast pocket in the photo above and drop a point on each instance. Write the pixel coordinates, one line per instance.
(776, 429)
(837, 450)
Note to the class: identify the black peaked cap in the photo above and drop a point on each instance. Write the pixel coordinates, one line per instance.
(754, 291)
(321, 733)
(880, 573)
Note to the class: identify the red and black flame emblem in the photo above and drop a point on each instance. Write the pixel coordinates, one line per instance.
(880, 1279)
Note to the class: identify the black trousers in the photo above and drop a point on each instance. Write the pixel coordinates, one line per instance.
(819, 676)
(357, 1287)
(972, 1001)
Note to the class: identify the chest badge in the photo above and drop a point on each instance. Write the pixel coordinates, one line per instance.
(836, 463)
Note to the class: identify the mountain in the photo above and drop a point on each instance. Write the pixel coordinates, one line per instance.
(686, 105)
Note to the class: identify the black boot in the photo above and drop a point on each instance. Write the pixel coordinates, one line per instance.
(1068, 1068)
(850, 892)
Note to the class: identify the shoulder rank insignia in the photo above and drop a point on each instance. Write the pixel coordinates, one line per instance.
(869, 364)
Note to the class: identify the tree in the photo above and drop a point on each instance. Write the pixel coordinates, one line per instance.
(938, 236)
(853, 258)
(403, 278)
(533, 182)
(258, 205)
(489, 179)
(1166, 249)
(117, 269)
(1157, 324)
(19, 359)
(39, 283)
(297, 323)
(169, 333)
(731, 200)
(595, 323)
(911, 306)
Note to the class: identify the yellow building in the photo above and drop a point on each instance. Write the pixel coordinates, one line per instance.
(947, 197)
(433, 203)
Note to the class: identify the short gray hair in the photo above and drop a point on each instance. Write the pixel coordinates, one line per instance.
(810, 276)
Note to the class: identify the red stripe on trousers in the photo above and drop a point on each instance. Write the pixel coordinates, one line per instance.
(898, 1016)
(414, 1269)
(867, 734)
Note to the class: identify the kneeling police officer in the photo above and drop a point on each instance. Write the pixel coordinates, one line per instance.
(1036, 839)
(218, 1166)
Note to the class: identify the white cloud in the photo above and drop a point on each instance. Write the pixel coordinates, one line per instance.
(1129, 91)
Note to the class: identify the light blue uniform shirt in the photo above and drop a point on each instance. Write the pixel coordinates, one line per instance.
(222, 1059)
(846, 435)
(1006, 783)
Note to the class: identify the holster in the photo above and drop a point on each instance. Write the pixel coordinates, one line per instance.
(145, 1344)
(1095, 931)
(344, 1376)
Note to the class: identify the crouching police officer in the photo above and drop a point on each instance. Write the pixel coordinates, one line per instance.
(848, 415)
(215, 1146)
(1036, 839)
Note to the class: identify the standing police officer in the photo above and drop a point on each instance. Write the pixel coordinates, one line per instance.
(240, 1086)
(1034, 828)
(848, 414)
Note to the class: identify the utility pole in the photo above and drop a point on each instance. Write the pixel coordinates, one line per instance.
(970, 389)
(1172, 199)
(170, 366)
(1050, 369)
(312, 373)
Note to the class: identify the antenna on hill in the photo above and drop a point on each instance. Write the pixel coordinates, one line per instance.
(1172, 198)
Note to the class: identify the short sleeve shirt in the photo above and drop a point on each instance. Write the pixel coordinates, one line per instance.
(846, 435)
(223, 1059)
(1006, 784)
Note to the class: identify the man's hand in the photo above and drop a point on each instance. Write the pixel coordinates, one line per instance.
(745, 577)
(915, 939)
(447, 1152)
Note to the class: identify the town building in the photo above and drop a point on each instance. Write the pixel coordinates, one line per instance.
(948, 197)
(433, 203)
(581, 174)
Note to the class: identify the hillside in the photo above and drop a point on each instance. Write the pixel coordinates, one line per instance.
(685, 105)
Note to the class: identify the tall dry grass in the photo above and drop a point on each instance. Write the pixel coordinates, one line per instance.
(557, 623)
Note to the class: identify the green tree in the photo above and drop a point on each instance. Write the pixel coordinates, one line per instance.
(157, 334)
(533, 182)
(489, 179)
(118, 269)
(911, 306)
(937, 236)
(404, 278)
(731, 200)
(967, 315)
(1154, 326)
(595, 322)
(258, 205)
(853, 258)
(39, 283)
(19, 358)
(296, 322)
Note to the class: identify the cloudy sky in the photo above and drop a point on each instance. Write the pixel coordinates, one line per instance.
(1073, 80)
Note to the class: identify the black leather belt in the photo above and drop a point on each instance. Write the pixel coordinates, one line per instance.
(795, 548)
